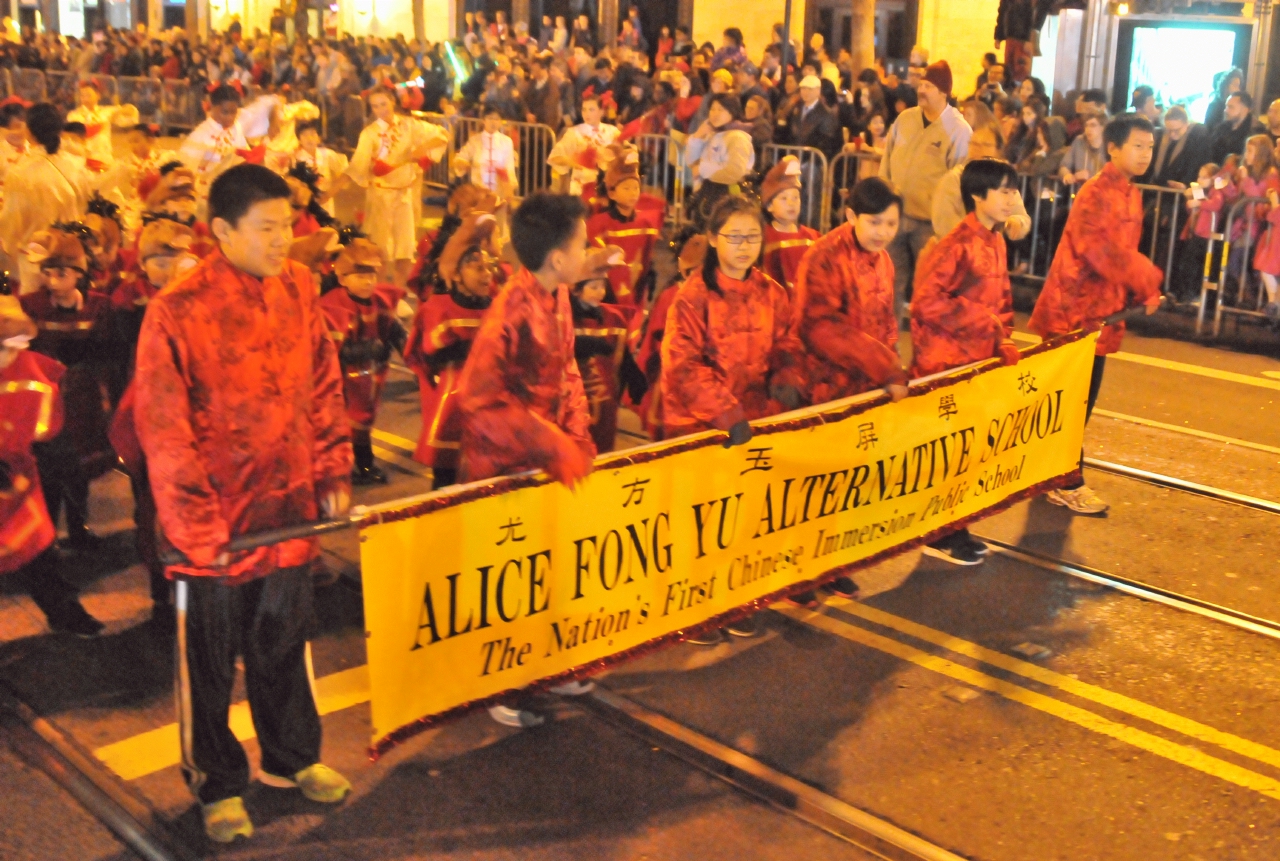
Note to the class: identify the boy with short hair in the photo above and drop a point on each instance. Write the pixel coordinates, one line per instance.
(98, 119)
(241, 418)
(1098, 269)
(578, 156)
(962, 309)
(604, 338)
(330, 165)
(785, 239)
(625, 225)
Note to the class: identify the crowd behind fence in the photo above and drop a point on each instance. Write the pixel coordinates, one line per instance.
(176, 106)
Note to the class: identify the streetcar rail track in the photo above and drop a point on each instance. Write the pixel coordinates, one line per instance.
(1168, 481)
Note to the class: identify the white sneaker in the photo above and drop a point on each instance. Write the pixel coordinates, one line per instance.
(574, 689)
(518, 718)
(1082, 500)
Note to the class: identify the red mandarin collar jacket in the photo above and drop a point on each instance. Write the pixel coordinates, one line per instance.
(636, 237)
(31, 407)
(844, 318)
(521, 396)
(721, 351)
(1098, 269)
(963, 308)
(784, 251)
(240, 413)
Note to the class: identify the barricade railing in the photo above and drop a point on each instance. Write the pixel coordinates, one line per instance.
(440, 173)
(6, 85)
(1237, 293)
(662, 168)
(62, 88)
(28, 84)
(180, 105)
(844, 172)
(814, 192)
(145, 94)
(533, 143)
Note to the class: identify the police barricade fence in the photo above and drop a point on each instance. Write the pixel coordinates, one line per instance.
(532, 141)
(662, 168)
(181, 106)
(28, 84)
(1238, 291)
(440, 173)
(814, 192)
(145, 94)
(844, 172)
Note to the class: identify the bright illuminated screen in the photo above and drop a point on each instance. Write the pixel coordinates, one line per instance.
(1179, 64)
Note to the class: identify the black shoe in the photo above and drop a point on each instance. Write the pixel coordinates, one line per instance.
(977, 546)
(808, 600)
(957, 553)
(712, 637)
(844, 587)
(745, 628)
(366, 475)
(72, 618)
(83, 540)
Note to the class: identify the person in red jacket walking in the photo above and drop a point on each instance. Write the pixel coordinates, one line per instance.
(632, 229)
(31, 404)
(443, 331)
(728, 352)
(785, 239)
(362, 322)
(604, 340)
(962, 307)
(241, 418)
(1098, 269)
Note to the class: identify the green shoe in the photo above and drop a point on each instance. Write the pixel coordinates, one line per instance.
(226, 820)
(318, 782)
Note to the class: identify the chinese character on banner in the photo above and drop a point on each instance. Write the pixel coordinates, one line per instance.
(947, 407)
(1027, 383)
(635, 491)
(509, 528)
(867, 435)
(759, 460)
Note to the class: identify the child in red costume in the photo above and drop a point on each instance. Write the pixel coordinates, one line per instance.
(962, 307)
(465, 199)
(75, 330)
(362, 322)
(689, 256)
(32, 408)
(604, 336)
(440, 341)
(634, 230)
(521, 398)
(728, 354)
(1098, 269)
(308, 215)
(785, 239)
(240, 413)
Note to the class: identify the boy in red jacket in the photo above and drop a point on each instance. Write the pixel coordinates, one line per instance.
(241, 419)
(1098, 269)
(623, 224)
(962, 307)
(785, 239)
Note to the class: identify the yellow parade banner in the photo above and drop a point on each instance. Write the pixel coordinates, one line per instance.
(495, 586)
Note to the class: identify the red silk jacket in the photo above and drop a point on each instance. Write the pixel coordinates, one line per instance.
(962, 308)
(636, 237)
(1098, 269)
(32, 410)
(604, 338)
(844, 318)
(240, 414)
(722, 351)
(649, 357)
(364, 333)
(439, 343)
(521, 396)
(783, 252)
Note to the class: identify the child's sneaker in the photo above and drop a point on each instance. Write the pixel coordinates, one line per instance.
(1081, 500)
(226, 820)
(318, 782)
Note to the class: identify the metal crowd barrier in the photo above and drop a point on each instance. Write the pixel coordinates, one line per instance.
(814, 191)
(28, 84)
(442, 171)
(844, 172)
(662, 167)
(145, 94)
(533, 143)
(1237, 292)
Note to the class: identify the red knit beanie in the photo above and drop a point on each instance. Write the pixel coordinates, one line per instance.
(939, 74)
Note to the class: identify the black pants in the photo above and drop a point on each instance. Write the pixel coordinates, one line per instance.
(1095, 386)
(443, 477)
(362, 447)
(63, 481)
(44, 583)
(144, 538)
(267, 621)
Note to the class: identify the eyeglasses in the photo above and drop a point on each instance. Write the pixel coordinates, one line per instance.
(741, 239)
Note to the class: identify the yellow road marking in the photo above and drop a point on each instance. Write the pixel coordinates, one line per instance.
(1171, 365)
(1179, 753)
(1084, 690)
(160, 748)
(1229, 440)
(391, 439)
(401, 461)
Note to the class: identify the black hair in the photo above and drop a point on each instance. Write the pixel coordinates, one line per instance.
(11, 112)
(308, 125)
(75, 128)
(222, 94)
(44, 122)
(99, 205)
(490, 109)
(872, 196)
(1245, 98)
(236, 191)
(982, 176)
(729, 102)
(146, 128)
(602, 63)
(307, 175)
(169, 167)
(868, 76)
(1096, 97)
(735, 204)
(990, 57)
(1121, 126)
(735, 34)
(1141, 94)
(543, 223)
